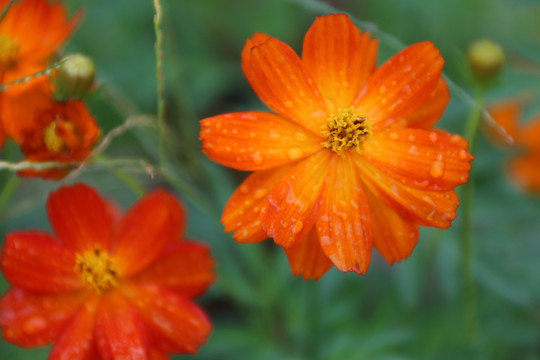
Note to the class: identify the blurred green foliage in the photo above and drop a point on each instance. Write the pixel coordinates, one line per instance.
(412, 310)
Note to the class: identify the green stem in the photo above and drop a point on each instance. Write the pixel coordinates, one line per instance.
(469, 304)
(159, 79)
(8, 190)
(312, 320)
(124, 176)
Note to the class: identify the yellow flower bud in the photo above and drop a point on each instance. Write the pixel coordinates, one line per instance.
(486, 59)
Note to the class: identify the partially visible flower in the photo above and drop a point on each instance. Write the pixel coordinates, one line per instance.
(525, 167)
(74, 78)
(106, 285)
(30, 34)
(48, 130)
(349, 160)
(486, 59)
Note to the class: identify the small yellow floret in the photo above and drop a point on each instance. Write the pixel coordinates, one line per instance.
(9, 52)
(97, 270)
(346, 131)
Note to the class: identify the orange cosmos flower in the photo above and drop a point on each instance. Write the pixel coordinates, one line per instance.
(524, 168)
(48, 130)
(30, 34)
(107, 286)
(349, 159)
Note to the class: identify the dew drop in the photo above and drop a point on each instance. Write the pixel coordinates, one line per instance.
(411, 137)
(256, 157)
(437, 169)
(297, 227)
(259, 193)
(284, 224)
(394, 136)
(433, 136)
(294, 153)
(463, 154)
(34, 324)
(288, 104)
(244, 189)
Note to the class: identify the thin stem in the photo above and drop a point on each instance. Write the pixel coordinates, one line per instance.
(470, 311)
(312, 320)
(159, 79)
(8, 190)
(6, 9)
(27, 78)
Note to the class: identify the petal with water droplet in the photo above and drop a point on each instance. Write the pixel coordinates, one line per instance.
(294, 199)
(422, 163)
(343, 218)
(307, 258)
(274, 140)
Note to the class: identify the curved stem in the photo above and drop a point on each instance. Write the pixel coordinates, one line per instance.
(159, 79)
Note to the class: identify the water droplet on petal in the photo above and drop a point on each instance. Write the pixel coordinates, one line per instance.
(294, 153)
(437, 169)
(256, 157)
(394, 136)
(288, 104)
(433, 136)
(463, 154)
(34, 324)
(259, 193)
(297, 227)
(244, 189)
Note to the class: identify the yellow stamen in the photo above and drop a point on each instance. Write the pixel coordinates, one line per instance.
(52, 140)
(9, 52)
(346, 131)
(97, 270)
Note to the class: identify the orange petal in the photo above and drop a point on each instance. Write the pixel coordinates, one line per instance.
(339, 57)
(184, 266)
(431, 160)
(276, 74)
(530, 134)
(254, 140)
(31, 319)
(155, 354)
(393, 237)
(506, 114)
(147, 227)
(307, 258)
(525, 170)
(77, 339)
(289, 210)
(119, 332)
(432, 110)
(37, 262)
(80, 217)
(423, 207)
(401, 85)
(343, 218)
(174, 324)
(242, 212)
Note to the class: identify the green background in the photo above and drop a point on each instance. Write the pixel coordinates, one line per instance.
(412, 310)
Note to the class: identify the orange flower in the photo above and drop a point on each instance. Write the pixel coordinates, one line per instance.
(524, 168)
(48, 130)
(348, 161)
(107, 286)
(30, 34)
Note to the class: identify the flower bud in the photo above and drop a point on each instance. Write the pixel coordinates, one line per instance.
(486, 59)
(74, 77)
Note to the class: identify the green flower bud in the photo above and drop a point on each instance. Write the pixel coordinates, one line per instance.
(74, 77)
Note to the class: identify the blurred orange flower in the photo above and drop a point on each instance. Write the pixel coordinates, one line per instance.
(46, 129)
(108, 285)
(30, 34)
(349, 159)
(524, 168)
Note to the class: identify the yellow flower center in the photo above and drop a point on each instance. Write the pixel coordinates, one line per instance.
(9, 52)
(347, 130)
(97, 270)
(54, 142)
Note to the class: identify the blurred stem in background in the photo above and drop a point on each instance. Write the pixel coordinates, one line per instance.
(159, 79)
(469, 301)
(312, 347)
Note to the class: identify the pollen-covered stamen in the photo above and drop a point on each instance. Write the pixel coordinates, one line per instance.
(347, 130)
(56, 134)
(9, 52)
(97, 269)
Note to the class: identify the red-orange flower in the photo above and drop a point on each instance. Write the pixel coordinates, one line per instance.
(107, 286)
(349, 159)
(30, 34)
(524, 168)
(48, 130)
